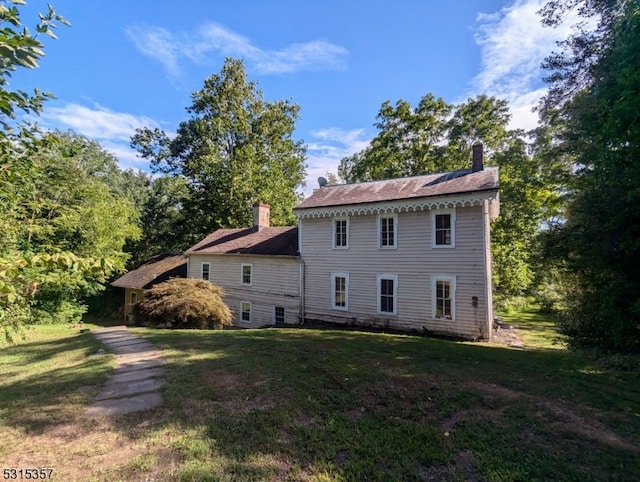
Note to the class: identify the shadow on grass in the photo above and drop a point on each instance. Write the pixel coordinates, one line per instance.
(297, 404)
(45, 383)
(263, 404)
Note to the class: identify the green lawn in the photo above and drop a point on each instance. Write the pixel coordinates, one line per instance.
(535, 328)
(296, 404)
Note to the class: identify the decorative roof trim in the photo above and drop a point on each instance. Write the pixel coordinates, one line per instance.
(404, 205)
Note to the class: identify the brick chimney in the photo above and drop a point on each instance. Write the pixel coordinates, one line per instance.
(477, 161)
(261, 216)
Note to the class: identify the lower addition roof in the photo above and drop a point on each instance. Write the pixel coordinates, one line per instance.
(156, 270)
(268, 241)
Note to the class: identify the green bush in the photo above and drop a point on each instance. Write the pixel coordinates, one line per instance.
(184, 303)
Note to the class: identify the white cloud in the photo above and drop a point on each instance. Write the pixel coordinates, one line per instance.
(513, 43)
(112, 129)
(330, 145)
(213, 39)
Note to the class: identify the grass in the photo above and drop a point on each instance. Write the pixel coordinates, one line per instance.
(536, 329)
(295, 404)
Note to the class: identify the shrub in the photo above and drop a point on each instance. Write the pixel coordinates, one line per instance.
(184, 303)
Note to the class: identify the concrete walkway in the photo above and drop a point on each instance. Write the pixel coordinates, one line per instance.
(136, 384)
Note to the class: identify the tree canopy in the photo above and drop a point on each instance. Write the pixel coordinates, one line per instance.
(437, 137)
(63, 226)
(597, 79)
(234, 150)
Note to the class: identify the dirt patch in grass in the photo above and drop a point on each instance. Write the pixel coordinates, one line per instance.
(553, 415)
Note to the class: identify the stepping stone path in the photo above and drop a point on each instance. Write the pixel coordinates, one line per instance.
(136, 384)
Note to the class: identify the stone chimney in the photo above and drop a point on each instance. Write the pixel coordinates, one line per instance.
(261, 216)
(477, 161)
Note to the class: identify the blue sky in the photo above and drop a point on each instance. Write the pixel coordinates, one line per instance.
(128, 64)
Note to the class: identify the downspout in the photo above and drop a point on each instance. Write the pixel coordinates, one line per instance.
(302, 290)
(301, 277)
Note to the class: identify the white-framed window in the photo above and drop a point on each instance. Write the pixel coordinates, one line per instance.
(341, 233)
(245, 274)
(443, 228)
(205, 271)
(387, 293)
(278, 315)
(133, 298)
(340, 291)
(245, 311)
(387, 231)
(443, 289)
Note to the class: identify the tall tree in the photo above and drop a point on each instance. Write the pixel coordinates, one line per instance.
(598, 79)
(235, 149)
(437, 137)
(26, 272)
(432, 137)
(162, 219)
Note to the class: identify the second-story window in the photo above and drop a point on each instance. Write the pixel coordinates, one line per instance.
(341, 233)
(387, 231)
(246, 274)
(443, 223)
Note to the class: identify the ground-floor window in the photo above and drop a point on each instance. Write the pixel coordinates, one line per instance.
(443, 289)
(205, 271)
(245, 311)
(278, 314)
(340, 291)
(387, 293)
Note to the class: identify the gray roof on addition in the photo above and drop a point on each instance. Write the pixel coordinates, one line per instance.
(156, 270)
(269, 241)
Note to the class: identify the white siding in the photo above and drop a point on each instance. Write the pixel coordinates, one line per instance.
(275, 281)
(414, 262)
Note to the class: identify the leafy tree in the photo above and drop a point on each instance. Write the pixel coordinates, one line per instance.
(597, 77)
(51, 201)
(235, 149)
(437, 137)
(433, 137)
(184, 303)
(163, 219)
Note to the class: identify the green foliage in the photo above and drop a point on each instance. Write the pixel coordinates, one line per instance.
(23, 277)
(62, 225)
(235, 149)
(432, 137)
(184, 303)
(437, 137)
(599, 244)
(19, 48)
(162, 219)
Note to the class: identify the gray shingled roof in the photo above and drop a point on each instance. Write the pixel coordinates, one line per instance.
(272, 241)
(154, 271)
(430, 185)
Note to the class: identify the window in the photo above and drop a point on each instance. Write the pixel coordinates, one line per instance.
(387, 231)
(245, 311)
(387, 293)
(205, 271)
(340, 291)
(246, 274)
(443, 228)
(278, 315)
(341, 233)
(444, 288)
(133, 297)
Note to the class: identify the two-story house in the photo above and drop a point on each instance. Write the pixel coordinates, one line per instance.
(258, 268)
(410, 253)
